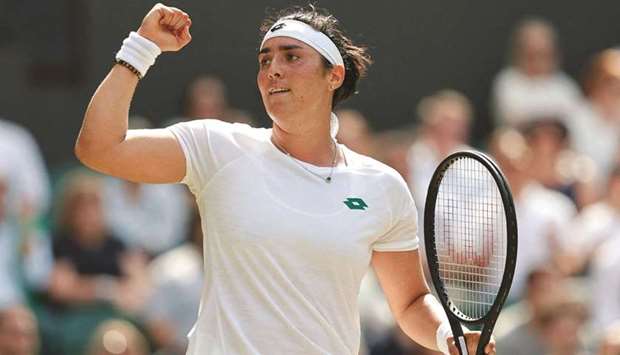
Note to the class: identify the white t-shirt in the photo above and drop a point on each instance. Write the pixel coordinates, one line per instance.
(606, 283)
(21, 164)
(544, 216)
(595, 136)
(284, 251)
(519, 99)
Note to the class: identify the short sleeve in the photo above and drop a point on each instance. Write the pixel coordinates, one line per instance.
(192, 136)
(208, 145)
(402, 235)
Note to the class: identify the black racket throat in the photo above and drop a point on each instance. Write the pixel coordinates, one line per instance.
(470, 234)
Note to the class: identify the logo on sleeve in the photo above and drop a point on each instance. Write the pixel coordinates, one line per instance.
(355, 203)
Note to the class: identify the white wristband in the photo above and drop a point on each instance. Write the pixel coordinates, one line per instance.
(138, 52)
(443, 333)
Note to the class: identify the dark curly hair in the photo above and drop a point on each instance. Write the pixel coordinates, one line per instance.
(356, 58)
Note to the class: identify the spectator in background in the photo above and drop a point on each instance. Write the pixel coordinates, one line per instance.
(606, 286)
(518, 329)
(177, 279)
(25, 252)
(94, 276)
(18, 331)
(354, 132)
(398, 343)
(90, 264)
(445, 119)
(376, 319)
(28, 181)
(602, 222)
(562, 324)
(392, 147)
(444, 125)
(557, 166)
(206, 98)
(118, 337)
(596, 225)
(595, 126)
(543, 214)
(533, 84)
(148, 217)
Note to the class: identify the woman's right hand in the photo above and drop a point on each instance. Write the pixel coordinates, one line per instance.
(168, 27)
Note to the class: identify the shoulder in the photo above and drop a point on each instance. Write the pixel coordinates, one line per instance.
(595, 217)
(12, 127)
(15, 132)
(376, 172)
(507, 76)
(565, 80)
(551, 202)
(179, 263)
(208, 130)
(222, 127)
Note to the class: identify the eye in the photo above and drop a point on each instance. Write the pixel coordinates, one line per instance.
(292, 57)
(264, 61)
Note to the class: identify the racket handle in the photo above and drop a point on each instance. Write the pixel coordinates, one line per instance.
(462, 345)
(457, 333)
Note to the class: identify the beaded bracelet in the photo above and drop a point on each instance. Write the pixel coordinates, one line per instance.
(137, 54)
(129, 66)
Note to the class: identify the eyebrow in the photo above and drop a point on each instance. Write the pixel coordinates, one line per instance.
(286, 47)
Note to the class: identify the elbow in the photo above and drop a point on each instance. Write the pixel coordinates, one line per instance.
(81, 151)
(416, 302)
(92, 158)
(78, 150)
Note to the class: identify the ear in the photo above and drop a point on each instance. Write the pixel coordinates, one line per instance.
(336, 77)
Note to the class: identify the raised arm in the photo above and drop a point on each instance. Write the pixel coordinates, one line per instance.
(104, 142)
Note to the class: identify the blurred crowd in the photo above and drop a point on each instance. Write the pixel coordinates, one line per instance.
(94, 265)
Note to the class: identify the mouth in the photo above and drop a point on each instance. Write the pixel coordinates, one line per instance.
(274, 91)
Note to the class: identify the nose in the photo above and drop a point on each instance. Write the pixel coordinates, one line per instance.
(275, 69)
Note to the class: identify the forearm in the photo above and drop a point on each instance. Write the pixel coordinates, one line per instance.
(421, 319)
(105, 120)
(85, 289)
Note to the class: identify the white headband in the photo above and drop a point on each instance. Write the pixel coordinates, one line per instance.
(307, 34)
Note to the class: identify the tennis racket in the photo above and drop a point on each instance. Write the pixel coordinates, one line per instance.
(470, 232)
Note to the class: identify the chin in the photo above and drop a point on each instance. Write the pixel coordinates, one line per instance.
(278, 110)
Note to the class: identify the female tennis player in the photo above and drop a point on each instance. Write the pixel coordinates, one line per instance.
(292, 219)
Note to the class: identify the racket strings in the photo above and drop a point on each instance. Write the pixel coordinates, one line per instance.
(470, 236)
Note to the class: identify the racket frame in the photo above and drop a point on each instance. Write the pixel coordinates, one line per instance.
(455, 316)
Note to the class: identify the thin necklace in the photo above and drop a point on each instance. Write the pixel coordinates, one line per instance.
(327, 179)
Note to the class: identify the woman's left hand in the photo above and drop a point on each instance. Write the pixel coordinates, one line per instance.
(472, 338)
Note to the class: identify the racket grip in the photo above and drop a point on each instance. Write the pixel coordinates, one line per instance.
(462, 345)
(458, 335)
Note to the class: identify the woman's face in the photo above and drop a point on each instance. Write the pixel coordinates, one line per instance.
(292, 78)
(86, 215)
(537, 53)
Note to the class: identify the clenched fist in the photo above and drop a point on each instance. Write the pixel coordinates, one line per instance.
(168, 27)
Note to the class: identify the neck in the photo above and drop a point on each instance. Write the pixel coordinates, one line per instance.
(518, 183)
(313, 145)
(600, 107)
(443, 146)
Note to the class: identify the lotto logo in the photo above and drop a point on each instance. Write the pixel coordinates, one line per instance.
(355, 203)
(277, 27)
